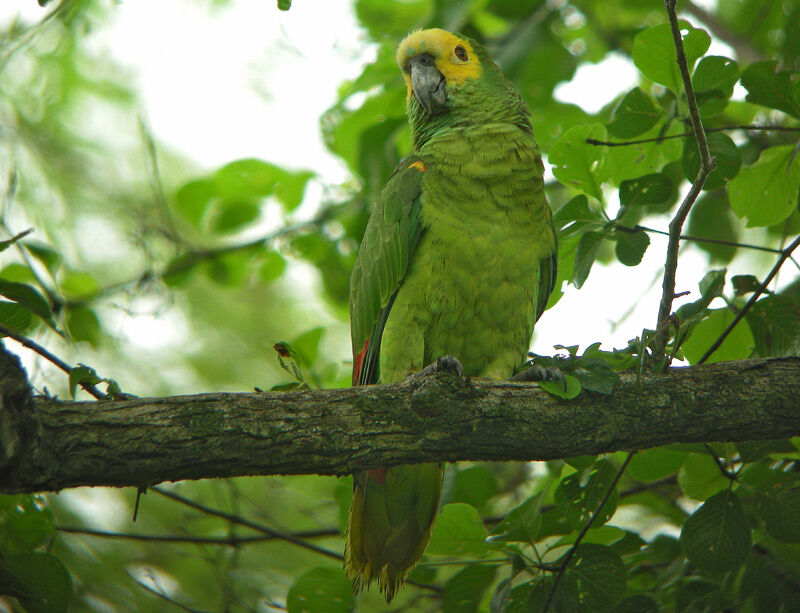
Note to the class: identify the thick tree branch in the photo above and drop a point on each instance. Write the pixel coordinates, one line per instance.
(49, 444)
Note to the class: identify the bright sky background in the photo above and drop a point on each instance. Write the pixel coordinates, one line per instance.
(218, 84)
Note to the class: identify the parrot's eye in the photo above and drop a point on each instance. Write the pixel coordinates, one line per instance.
(461, 53)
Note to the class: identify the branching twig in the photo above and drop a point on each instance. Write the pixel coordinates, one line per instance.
(707, 164)
(289, 538)
(785, 254)
(658, 139)
(54, 359)
(563, 566)
(249, 524)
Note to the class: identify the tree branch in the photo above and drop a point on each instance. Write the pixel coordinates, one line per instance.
(143, 441)
(707, 164)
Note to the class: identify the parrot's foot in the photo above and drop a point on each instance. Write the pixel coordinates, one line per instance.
(541, 373)
(446, 363)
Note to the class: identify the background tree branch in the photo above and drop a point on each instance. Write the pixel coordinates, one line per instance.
(143, 441)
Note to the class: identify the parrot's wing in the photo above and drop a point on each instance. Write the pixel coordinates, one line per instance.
(548, 271)
(389, 241)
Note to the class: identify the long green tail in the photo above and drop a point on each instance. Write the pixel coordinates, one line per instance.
(390, 524)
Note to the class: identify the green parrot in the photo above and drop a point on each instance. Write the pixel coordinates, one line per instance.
(458, 259)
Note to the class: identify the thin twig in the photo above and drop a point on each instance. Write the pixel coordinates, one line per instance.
(289, 538)
(658, 139)
(568, 557)
(167, 598)
(237, 541)
(250, 524)
(785, 254)
(54, 359)
(707, 164)
(701, 239)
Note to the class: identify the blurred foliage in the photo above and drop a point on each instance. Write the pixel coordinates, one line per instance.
(124, 230)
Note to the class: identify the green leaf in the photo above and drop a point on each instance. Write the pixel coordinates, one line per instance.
(776, 89)
(766, 192)
(192, 199)
(738, 345)
(716, 537)
(576, 210)
(653, 188)
(752, 451)
(83, 325)
(458, 531)
(465, 590)
(781, 513)
(46, 576)
(720, 145)
(44, 253)
(775, 323)
(596, 375)
(14, 316)
(640, 603)
(234, 215)
(82, 375)
(599, 575)
(635, 114)
(246, 179)
(291, 188)
(79, 285)
(272, 266)
(654, 52)
(576, 163)
(26, 522)
(713, 83)
(557, 388)
(654, 464)
(321, 590)
(307, 344)
(578, 495)
(744, 284)
(28, 297)
(284, 5)
(631, 246)
(700, 477)
(711, 217)
(585, 255)
(474, 485)
(521, 524)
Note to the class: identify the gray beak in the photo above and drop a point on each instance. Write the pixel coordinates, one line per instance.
(428, 84)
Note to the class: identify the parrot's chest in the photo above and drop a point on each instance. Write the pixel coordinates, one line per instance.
(472, 285)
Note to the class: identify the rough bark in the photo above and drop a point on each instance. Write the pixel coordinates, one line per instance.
(49, 444)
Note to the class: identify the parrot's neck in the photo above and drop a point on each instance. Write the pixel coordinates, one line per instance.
(506, 109)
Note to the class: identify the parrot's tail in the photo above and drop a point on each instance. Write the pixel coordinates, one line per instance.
(390, 524)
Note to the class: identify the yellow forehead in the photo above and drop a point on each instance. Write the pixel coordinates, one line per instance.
(441, 45)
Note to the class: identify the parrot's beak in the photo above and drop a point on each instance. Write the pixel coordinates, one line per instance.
(428, 84)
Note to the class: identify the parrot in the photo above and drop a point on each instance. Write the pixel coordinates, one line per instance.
(458, 259)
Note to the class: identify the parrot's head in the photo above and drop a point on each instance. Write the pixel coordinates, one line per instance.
(452, 80)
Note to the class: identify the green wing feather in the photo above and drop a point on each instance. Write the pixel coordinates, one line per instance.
(389, 240)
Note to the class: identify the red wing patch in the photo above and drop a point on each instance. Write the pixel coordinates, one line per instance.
(359, 361)
(377, 474)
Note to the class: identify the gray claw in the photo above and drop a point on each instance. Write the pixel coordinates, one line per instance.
(541, 373)
(446, 363)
